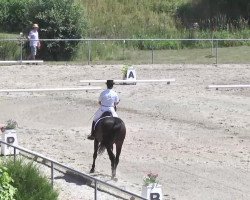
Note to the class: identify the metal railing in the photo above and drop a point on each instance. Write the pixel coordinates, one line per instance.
(214, 43)
(55, 163)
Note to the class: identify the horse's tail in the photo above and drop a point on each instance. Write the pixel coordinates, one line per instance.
(114, 130)
(101, 148)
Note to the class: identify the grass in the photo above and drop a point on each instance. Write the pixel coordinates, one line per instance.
(8, 35)
(226, 55)
(9, 50)
(204, 56)
(157, 19)
(127, 18)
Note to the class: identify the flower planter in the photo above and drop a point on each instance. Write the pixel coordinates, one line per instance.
(152, 192)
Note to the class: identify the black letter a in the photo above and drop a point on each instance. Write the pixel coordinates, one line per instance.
(131, 75)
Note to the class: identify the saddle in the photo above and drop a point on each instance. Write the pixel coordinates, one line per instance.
(104, 115)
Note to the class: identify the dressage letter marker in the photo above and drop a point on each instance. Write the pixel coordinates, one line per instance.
(152, 191)
(131, 76)
(10, 137)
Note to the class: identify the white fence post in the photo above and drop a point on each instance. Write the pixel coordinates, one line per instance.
(152, 50)
(52, 174)
(216, 52)
(89, 52)
(95, 190)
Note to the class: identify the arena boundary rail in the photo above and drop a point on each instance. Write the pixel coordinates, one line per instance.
(228, 86)
(21, 40)
(55, 163)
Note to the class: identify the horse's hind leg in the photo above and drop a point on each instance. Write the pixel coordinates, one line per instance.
(112, 159)
(94, 156)
(118, 152)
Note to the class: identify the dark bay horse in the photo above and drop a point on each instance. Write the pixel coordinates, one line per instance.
(109, 131)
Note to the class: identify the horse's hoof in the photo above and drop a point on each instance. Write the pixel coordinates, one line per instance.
(92, 171)
(114, 179)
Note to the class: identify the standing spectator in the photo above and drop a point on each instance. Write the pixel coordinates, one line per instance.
(2, 128)
(34, 42)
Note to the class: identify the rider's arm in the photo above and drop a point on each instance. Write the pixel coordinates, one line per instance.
(100, 99)
(117, 100)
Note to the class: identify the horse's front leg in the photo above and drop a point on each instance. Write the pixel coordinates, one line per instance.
(112, 159)
(94, 156)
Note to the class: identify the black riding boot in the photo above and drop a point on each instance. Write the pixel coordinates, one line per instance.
(91, 135)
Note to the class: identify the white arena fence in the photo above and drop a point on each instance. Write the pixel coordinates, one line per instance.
(54, 164)
(152, 56)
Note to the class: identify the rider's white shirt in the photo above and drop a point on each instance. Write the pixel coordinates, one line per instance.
(108, 98)
(34, 38)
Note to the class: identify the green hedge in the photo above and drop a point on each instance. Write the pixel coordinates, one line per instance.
(30, 184)
(7, 191)
(13, 15)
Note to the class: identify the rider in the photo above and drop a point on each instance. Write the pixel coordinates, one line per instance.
(108, 100)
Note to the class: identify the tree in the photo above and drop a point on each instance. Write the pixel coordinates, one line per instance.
(58, 19)
(13, 15)
(220, 14)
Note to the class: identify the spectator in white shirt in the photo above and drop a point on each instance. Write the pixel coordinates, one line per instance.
(34, 42)
(108, 101)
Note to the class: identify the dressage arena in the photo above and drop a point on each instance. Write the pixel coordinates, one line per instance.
(196, 139)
